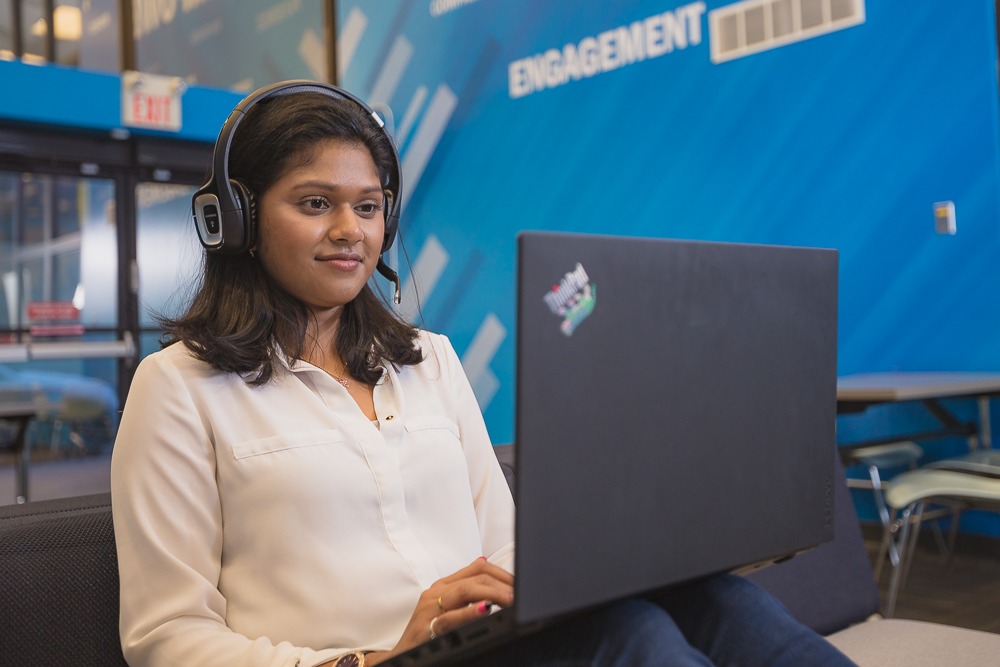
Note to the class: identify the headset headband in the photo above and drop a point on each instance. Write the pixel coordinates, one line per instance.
(225, 222)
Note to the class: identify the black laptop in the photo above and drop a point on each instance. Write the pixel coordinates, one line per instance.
(676, 406)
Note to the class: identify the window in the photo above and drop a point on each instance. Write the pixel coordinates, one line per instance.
(6, 30)
(33, 30)
(83, 33)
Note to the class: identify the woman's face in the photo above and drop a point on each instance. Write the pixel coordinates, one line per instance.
(321, 226)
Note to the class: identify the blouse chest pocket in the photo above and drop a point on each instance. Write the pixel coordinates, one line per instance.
(429, 423)
(285, 441)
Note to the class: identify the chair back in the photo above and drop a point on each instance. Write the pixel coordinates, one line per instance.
(80, 409)
(59, 583)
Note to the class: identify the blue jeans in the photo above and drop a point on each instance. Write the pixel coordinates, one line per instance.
(725, 621)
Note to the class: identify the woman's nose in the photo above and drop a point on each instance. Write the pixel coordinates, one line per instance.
(345, 228)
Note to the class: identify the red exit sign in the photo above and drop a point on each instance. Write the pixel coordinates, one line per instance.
(151, 109)
(152, 101)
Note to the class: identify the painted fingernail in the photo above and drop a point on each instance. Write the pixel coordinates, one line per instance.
(481, 558)
(483, 606)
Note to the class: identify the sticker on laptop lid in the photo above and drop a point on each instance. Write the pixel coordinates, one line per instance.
(573, 299)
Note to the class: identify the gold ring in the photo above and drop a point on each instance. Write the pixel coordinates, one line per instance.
(441, 605)
(430, 629)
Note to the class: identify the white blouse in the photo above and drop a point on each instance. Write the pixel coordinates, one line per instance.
(278, 525)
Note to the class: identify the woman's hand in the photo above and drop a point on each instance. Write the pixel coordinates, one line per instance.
(453, 601)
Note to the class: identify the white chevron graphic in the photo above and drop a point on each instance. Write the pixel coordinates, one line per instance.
(392, 71)
(349, 38)
(479, 354)
(427, 270)
(428, 134)
(410, 116)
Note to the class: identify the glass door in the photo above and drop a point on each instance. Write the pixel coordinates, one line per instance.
(58, 288)
(168, 254)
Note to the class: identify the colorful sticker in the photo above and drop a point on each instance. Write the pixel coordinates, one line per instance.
(573, 299)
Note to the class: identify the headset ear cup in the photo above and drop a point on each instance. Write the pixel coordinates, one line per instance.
(248, 205)
(391, 221)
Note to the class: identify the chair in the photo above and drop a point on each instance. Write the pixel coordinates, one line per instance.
(876, 459)
(984, 462)
(73, 410)
(18, 407)
(912, 491)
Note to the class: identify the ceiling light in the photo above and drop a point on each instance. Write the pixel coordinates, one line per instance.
(68, 21)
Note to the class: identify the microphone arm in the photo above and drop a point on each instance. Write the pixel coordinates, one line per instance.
(391, 276)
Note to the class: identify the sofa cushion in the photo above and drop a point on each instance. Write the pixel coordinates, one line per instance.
(897, 643)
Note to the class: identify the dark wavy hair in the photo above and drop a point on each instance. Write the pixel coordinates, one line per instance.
(240, 318)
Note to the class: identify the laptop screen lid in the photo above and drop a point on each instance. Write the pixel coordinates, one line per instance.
(676, 406)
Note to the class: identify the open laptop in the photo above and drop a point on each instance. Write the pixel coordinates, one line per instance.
(676, 406)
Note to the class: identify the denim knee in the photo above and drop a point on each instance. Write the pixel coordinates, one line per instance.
(639, 633)
(730, 592)
(636, 617)
(635, 633)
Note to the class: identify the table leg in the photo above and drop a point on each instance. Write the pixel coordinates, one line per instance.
(951, 423)
(985, 433)
(23, 461)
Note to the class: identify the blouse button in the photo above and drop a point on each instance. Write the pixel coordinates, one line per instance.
(389, 418)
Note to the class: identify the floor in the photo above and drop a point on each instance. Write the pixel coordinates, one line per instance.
(966, 593)
(59, 479)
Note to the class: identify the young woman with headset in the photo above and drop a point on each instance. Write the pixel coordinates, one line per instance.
(301, 478)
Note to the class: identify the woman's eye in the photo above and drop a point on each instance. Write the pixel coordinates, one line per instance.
(315, 204)
(369, 208)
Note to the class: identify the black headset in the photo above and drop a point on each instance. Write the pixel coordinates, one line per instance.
(225, 213)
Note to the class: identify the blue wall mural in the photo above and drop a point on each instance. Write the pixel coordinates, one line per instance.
(834, 123)
(844, 140)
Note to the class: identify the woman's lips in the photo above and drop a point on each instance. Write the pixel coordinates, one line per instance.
(345, 261)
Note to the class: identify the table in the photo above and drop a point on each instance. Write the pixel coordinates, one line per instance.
(21, 412)
(856, 393)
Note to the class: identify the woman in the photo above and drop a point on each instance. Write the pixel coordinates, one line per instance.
(300, 478)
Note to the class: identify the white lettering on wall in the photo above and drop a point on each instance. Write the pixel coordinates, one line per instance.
(619, 47)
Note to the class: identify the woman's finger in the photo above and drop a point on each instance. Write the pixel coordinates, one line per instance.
(450, 620)
(466, 591)
(479, 566)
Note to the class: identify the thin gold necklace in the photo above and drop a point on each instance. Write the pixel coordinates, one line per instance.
(341, 379)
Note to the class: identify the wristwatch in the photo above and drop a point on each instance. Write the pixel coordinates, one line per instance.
(352, 659)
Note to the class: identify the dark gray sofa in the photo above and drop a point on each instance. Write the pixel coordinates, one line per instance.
(59, 592)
